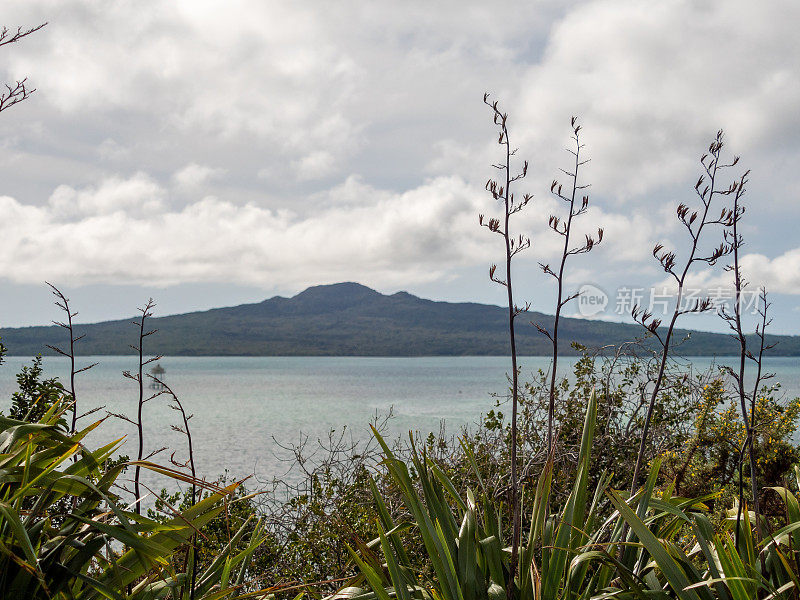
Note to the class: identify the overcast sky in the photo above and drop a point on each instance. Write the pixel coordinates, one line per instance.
(209, 153)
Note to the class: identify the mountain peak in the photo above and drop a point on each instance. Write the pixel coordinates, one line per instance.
(346, 288)
(336, 295)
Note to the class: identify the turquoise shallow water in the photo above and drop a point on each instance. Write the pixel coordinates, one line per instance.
(241, 403)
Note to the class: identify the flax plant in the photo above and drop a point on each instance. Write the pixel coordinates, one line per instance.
(734, 321)
(20, 90)
(676, 549)
(462, 534)
(758, 359)
(563, 227)
(62, 302)
(501, 192)
(707, 190)
(190, 563)
(63, 535)
(145, 313)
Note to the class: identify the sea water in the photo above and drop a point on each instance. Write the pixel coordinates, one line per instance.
(245, 408)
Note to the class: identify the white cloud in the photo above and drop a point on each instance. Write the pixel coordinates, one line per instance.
(302, 82)
(138, 195)
(653, 82)
(314, 165)
(79, 236)
(780, 274)
(238, 69)
(110, 149)
(192, 176)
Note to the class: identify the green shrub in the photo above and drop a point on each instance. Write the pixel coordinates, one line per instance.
(63, 533)
(653, 545)
(709, 461)
(35, 395)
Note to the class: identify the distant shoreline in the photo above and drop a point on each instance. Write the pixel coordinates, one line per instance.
(349, 319)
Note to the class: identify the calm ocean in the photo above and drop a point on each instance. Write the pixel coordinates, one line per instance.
(241, 405)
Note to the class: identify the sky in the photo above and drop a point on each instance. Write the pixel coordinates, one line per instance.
(215, 153)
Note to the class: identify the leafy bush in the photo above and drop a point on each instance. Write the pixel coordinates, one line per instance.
(652, 545)
(710, 460)
(63, 533)
(35, 395)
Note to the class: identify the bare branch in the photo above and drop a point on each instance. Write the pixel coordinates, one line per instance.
(20, 90)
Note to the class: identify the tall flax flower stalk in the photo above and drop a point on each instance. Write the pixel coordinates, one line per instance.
(563, 227)
(145, 313)
(500, 190)
(190, 560)
(62, 302)
(707, 189)
(735, 241)
(18, 92)
(761, 376)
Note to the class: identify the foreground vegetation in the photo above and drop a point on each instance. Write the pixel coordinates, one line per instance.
(64, 532)
(426, 518)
